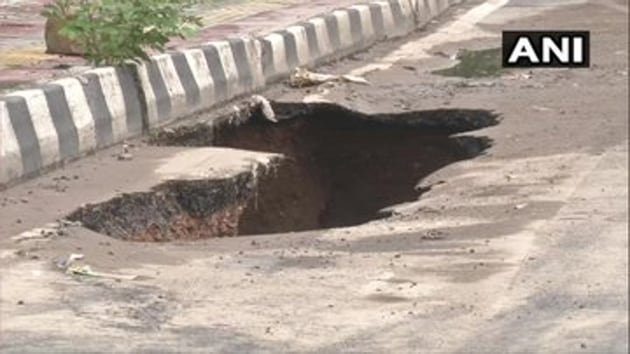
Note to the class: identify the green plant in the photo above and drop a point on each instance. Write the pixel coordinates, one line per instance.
(113, 31)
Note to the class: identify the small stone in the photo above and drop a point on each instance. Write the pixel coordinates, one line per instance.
(583, 346)
(24, 200)
(18, 221)
(20, 302)
(472, 250)
(397, 256)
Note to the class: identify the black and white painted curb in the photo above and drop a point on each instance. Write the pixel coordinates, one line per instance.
(68, 118)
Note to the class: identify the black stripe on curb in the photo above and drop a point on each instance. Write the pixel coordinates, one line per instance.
(100, 112)
(186, 77)
(290, 48)
(333, 31)
(267, 59)
(67, 135)
(378, 21)
(22, 123)
(356, 27)
(162, 97)
(131, 95)
(397, 12)
(245, 74)
(218, 74)
(313, 45)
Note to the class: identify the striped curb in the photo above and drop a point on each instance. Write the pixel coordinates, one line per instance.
(334, 35)
(181, 83)
(68, 118)
(426, 10)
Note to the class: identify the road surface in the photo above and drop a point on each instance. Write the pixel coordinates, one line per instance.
(521, 249)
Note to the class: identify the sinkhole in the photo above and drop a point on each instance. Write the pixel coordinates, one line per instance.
(337, 168)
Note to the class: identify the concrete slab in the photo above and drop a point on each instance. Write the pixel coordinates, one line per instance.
(103, 176)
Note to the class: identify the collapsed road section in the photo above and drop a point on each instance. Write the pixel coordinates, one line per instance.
(326, 167)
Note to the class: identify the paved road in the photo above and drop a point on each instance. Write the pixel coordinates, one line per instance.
(532, 253)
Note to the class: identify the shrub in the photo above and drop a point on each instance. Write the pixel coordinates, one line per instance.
(112, 31)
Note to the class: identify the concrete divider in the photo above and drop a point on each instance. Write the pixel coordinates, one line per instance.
(334, 35)
(180, 83)
(68, 118)
(65, 119)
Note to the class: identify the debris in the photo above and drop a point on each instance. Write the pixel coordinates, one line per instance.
(85, 270)
(433, 235)
(68, 223)
(20, 302)
(64, 264)
(542, 108)
(442, 54)
(302, 77)
(125, 155)
(355, 79)
(520, 206)
(518, 76)
(38, 233)
(265, 107)
(477, 84)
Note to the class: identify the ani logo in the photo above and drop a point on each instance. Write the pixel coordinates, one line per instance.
(544, 49)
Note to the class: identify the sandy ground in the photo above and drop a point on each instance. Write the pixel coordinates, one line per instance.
(522, 249)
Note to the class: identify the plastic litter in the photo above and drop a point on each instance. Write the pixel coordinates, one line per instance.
(67, 264)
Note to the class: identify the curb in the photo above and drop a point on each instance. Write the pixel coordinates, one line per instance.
(65, 119)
